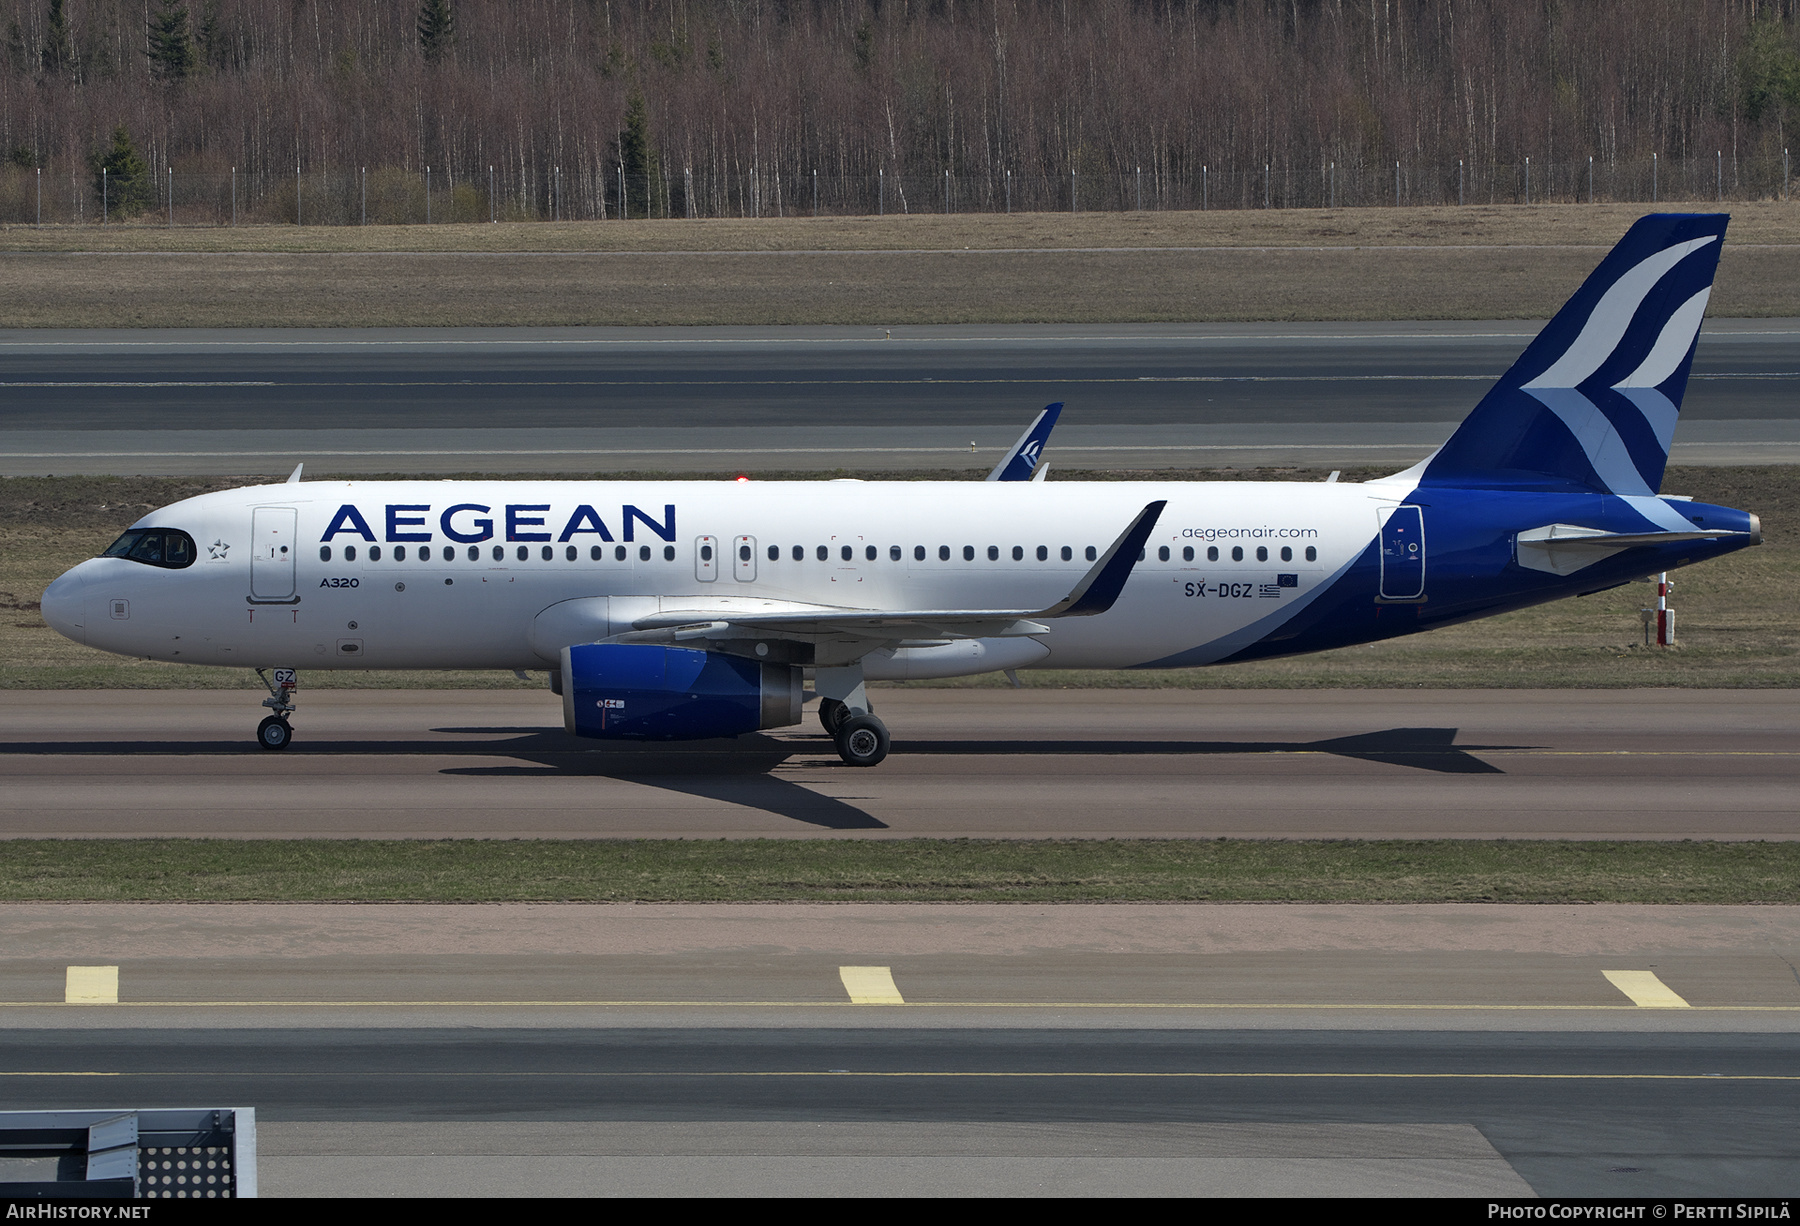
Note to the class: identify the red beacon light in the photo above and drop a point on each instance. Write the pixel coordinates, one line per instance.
(742, 477)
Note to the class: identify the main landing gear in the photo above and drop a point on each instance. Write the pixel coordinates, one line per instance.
(861, 739)
(275, 732)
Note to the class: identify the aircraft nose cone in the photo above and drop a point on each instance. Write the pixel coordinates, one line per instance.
(62, 606)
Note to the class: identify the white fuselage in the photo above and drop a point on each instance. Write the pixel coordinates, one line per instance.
(284, 577)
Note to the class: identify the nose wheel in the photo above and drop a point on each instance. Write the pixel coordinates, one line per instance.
(275, 732)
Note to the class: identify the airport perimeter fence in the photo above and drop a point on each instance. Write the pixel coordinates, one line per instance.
(58, 195)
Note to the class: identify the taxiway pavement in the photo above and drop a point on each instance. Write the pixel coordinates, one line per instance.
(966, 763)
(760, 399)
(1104, 1050)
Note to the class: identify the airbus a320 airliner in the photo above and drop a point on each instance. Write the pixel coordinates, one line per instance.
(687, 610)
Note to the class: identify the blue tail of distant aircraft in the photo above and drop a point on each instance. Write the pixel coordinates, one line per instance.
(1591, 405)
(1023, 462)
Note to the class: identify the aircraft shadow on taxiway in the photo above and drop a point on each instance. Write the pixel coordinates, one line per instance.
(742, 771)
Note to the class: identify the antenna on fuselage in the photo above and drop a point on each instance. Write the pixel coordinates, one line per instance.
(294, 477)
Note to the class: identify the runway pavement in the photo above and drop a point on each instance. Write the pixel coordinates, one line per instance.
(761, 399)
(1026, 763)
(1172, 1050)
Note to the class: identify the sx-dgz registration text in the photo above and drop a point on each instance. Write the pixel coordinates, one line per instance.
(1239, 591)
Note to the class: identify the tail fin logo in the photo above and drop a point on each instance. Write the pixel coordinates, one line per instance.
(1592, 403)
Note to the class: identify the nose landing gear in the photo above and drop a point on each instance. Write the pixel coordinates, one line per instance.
(275, 732)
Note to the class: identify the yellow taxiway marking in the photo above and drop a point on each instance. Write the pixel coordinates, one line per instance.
(1351, 1006)
(870, 985)
(1645, 989)
(91, 985)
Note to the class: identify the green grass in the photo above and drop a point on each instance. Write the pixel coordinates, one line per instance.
(902, 870)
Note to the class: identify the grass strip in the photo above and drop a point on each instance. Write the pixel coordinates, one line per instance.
(898, 870)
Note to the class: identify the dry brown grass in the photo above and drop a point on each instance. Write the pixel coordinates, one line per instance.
(1361, 264)
(1737, 618)
(1508, 225)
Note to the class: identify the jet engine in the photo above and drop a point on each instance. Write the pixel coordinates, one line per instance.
(644, 692)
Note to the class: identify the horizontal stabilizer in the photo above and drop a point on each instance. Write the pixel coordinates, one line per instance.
(1563, 549)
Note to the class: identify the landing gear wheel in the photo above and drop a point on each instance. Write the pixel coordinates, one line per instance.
(274, 733)
(832, 714)
(862, 740)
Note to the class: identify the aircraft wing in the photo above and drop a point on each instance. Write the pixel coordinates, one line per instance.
(1093, 594)
(1025, 461)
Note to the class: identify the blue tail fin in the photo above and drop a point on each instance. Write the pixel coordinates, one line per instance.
(1592, 403)
(1021, 463)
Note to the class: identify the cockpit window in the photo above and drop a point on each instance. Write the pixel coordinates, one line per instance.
(165, 547)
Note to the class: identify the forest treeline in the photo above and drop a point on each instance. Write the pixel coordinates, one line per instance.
(706, 102)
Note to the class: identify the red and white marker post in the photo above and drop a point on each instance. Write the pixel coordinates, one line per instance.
(1665, 616)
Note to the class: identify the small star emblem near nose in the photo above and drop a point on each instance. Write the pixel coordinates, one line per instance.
(217, 549)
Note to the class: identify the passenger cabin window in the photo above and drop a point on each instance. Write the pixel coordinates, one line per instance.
(993, 553)
(399, 553)
(1287, 555)
(643, 553)
(324, 553)
(1262, 553)
(1162, 553)
(918, 553)
(893, 553)
(548, 553)
(774, 553)
(474, 553)
(1312, 555)
(943, 553)
(1092, 553)
(706, 553)
(349, 553)
(668, 553)
(1212, 553)
(1018, 553)
(869, 553)
(1187, 553)
(743, 553)
(499, 553)
(1043, 553)
(524, 553)
(449, 553)
(595, 553)
(569, 553)
(1068, 555)
(968, 553)
(824, 553)
(1237, 553)
(374, 553)
(847, 553)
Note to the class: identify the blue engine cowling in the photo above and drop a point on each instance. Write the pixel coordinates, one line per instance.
(643, 692)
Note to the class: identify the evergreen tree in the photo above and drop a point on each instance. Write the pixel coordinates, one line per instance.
(171, 48)
(127, 178)
(437, 29)
(58, 51)
(211, 36)
(637, 157)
